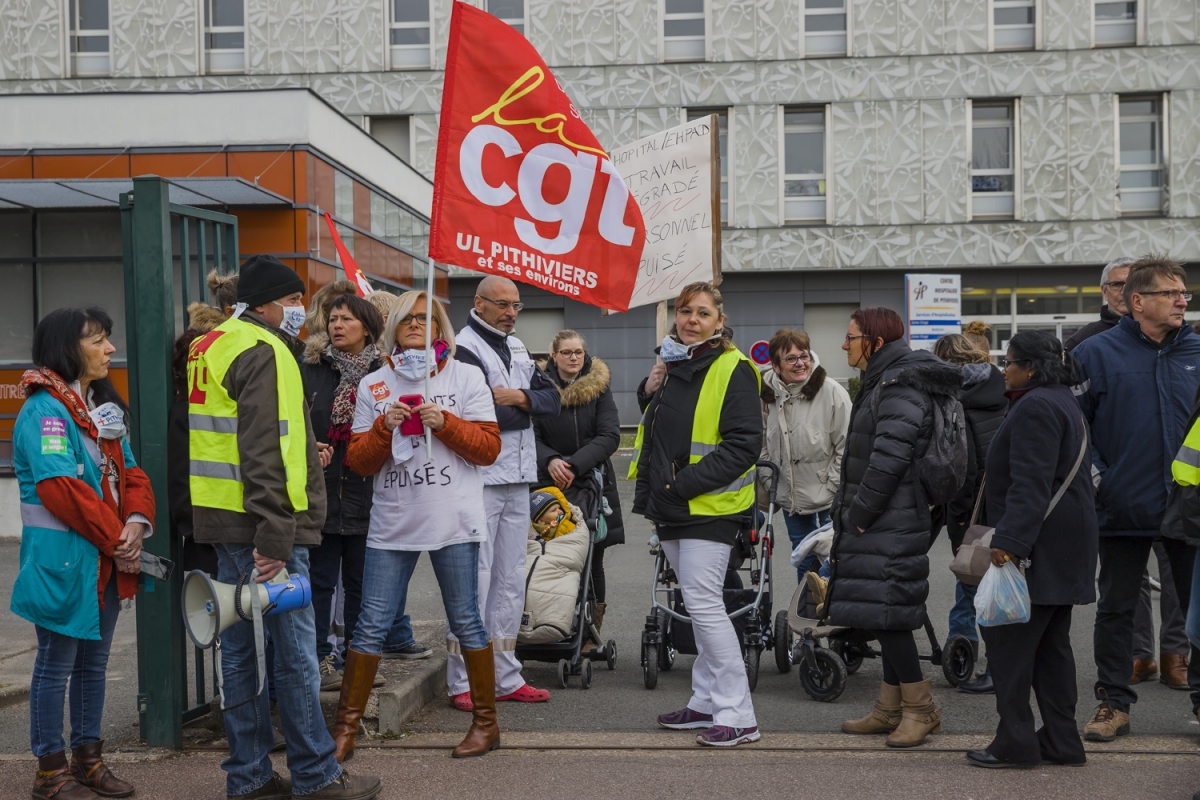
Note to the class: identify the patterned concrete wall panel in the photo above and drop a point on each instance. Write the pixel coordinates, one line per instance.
(649, 85)
(636, 33)
(965, 26)
(801, 248)
(920, 25)
(733, 29)
(755, 170)
(593, 42)
(777, 29)
(153, 38)
(286, 47)
(259, 37)
(614, 127)
(944, 143)
(853, 163)
(876, 28)
(362, 35)
(1171, 22)
(1067, 24)
(441, 28)
(1093, 172)
(12, 23)
(552, 28)
(33, 38)
(1022, 243)
(654, 120)
(900, 170)
(1044, 158)
(1100, 242)
(382, 93)
(1186, 243)
(322, 39)
(424, 143)
(1184, 180)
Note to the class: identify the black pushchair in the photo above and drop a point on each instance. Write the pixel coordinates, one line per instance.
(572, 659)
(668, 628)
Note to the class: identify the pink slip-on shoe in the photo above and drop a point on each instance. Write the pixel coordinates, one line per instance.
(526, 694)
(462, 702)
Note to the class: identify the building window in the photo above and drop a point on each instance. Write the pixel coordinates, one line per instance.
(1014, 24)
(1141, 152)
(394, 133)
(824, 27)
(993, 145)
(804, 164)
(510, 11)
(723, 122)
(1116, 23)
(225, 35)
(411, 34)
(684, 30)
(89, 37)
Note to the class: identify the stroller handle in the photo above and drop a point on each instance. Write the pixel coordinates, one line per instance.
(773, 481)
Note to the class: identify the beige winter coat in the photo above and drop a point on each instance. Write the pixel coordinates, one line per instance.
(805, 434)
(552, 573)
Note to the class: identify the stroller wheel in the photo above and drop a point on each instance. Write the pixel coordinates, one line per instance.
(650, 665)
(958, 660)
(564, 672)
(666, 653)
(585, 674)
(784, 640)
(751, 657)
(610, 654)
(822, 674)
(851, 654)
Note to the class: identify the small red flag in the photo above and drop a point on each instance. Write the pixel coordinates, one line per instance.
(521, 187)
(349, 265)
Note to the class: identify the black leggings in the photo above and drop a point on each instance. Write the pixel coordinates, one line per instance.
(598, 573)
(899, 654)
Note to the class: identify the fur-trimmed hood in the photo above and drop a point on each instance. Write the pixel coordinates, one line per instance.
(314, 347)
(593, 379)
(203, 317)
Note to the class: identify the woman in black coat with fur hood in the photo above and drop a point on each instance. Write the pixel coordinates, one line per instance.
(582, 438)
(880, 571)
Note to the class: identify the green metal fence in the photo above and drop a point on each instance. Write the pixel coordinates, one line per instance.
(168, 251)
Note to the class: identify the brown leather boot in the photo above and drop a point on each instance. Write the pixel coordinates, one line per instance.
(357, 677)
(1144, 669)
(920, 717)
(1174, 671)
(883, 718)
(54, 781)
(90, 770)
(484, 735)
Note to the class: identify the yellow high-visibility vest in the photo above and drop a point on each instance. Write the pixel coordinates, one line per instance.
(706, 435)
(1186, 466)
(215, 465)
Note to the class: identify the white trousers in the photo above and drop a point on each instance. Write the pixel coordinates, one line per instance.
(501, 586)
(719, 685)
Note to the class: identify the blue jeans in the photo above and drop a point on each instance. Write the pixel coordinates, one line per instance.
(962, 615)
(1193, 614)
(799, 526)
(385, 591)
(85, 662)
(297, 685)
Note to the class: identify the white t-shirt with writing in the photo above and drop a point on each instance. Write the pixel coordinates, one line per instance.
(427, 503)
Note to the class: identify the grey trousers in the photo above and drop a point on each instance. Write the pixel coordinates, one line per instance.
(1172, 637)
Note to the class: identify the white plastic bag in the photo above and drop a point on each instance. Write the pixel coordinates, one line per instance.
(1002, 597)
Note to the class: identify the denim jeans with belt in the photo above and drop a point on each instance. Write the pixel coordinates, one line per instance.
(297, 683)
(385, 592)
(84, 661)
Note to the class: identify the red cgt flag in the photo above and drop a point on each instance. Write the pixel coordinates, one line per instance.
(521, 187)
(349, 265)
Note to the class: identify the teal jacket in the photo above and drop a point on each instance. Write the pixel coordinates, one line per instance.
(56, 584)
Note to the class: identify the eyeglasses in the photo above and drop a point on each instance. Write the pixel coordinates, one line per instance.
(1012, 361)
(850, 337)
(1173, 294)
(792, 361)
(1114, 285)
(417, 319)
(572, 353)
(503, 305)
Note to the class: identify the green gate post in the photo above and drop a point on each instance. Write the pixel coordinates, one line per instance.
(150, 333)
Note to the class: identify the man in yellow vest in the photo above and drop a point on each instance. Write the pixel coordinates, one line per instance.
(258, 495)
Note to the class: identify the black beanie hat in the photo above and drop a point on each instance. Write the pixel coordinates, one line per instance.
(266, 278)
(539, 501)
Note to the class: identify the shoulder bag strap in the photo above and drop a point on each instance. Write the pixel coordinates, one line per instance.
(1062, 490)
(978, 501)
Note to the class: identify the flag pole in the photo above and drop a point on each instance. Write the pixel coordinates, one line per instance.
(428, 351)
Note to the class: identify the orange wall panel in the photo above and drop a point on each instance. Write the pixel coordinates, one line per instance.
(16, 168)
(264, 231)
(318, 274)
(274, 170)
(324, 195)
(362, 206)
(304, 178)
(102, 166)
(178, 165)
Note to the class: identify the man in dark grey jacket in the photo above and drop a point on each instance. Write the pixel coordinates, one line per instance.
(270, 534)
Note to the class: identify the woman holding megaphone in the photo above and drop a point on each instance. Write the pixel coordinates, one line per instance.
(425, 500)
(85, 507)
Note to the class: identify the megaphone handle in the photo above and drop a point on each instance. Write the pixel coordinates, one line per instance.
(260, 645)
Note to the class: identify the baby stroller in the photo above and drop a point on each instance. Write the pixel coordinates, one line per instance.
(823, 669)
(668, 628)
(572, 659)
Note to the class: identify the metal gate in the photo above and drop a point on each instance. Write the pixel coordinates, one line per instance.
(168, 251)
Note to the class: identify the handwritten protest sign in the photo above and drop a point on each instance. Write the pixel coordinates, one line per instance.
(675, 178)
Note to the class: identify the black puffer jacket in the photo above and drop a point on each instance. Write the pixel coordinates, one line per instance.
(349, 495)
(881, 519)
(666, 480)
(585, 434)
